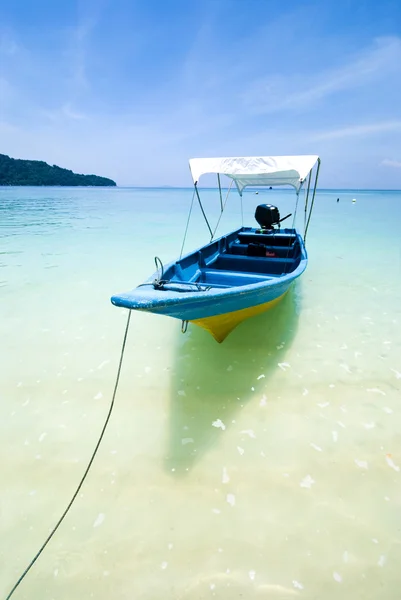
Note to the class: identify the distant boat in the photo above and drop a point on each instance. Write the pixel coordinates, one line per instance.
(244, 272)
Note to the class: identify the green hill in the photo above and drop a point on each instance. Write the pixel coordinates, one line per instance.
(36, 172)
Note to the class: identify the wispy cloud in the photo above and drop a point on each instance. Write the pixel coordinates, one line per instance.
(66, 112)
(277, 93)
(357, 130)
(388, 162)
(8, 46)
(6, 92)
(76, 54)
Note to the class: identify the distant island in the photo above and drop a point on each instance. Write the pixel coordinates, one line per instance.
(14, 171)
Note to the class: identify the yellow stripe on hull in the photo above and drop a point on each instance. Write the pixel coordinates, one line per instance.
(221, 325)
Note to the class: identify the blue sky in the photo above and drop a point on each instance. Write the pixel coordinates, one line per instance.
(133, 89)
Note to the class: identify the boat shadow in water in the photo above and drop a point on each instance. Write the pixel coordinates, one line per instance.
(212, 382)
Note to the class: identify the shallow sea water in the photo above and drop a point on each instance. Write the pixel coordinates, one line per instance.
(265, 467)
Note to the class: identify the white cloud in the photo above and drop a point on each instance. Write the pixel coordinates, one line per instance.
(299, 91)
(8, 96)
(76, 54)
(65, 112)
(388, 162)
(8, 45)
(6, 90)
(357, 130)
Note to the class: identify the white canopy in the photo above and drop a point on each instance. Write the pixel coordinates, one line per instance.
(256, 170)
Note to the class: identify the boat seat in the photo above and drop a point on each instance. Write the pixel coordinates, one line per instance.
(255, 264)
(230, 278)
(273, 239)
(237, 248)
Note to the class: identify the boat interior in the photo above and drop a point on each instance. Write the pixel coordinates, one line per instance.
(243, 257)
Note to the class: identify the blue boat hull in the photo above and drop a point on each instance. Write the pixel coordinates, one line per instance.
(226, 281)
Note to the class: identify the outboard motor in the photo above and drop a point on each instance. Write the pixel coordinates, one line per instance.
(268, 215)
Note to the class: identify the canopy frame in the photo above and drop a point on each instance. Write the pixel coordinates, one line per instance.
(258, 171)
(292, 177)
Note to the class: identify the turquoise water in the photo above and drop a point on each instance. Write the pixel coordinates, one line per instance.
(265, 467)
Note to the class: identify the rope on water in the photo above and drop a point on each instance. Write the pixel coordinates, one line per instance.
(49, 537)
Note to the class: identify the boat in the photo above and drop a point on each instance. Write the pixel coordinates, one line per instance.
(244, 272)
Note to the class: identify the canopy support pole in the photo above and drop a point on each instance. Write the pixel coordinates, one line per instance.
(306, 200)
(313, 197)
(203, 212)
(221, 199)
(221, 213)
(186, 228)
(293, 227)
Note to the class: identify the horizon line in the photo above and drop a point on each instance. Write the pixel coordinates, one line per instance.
(179, 187)
(281, 189)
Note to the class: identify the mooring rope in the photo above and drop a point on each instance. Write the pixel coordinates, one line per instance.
(159, 283)
(49, 537)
